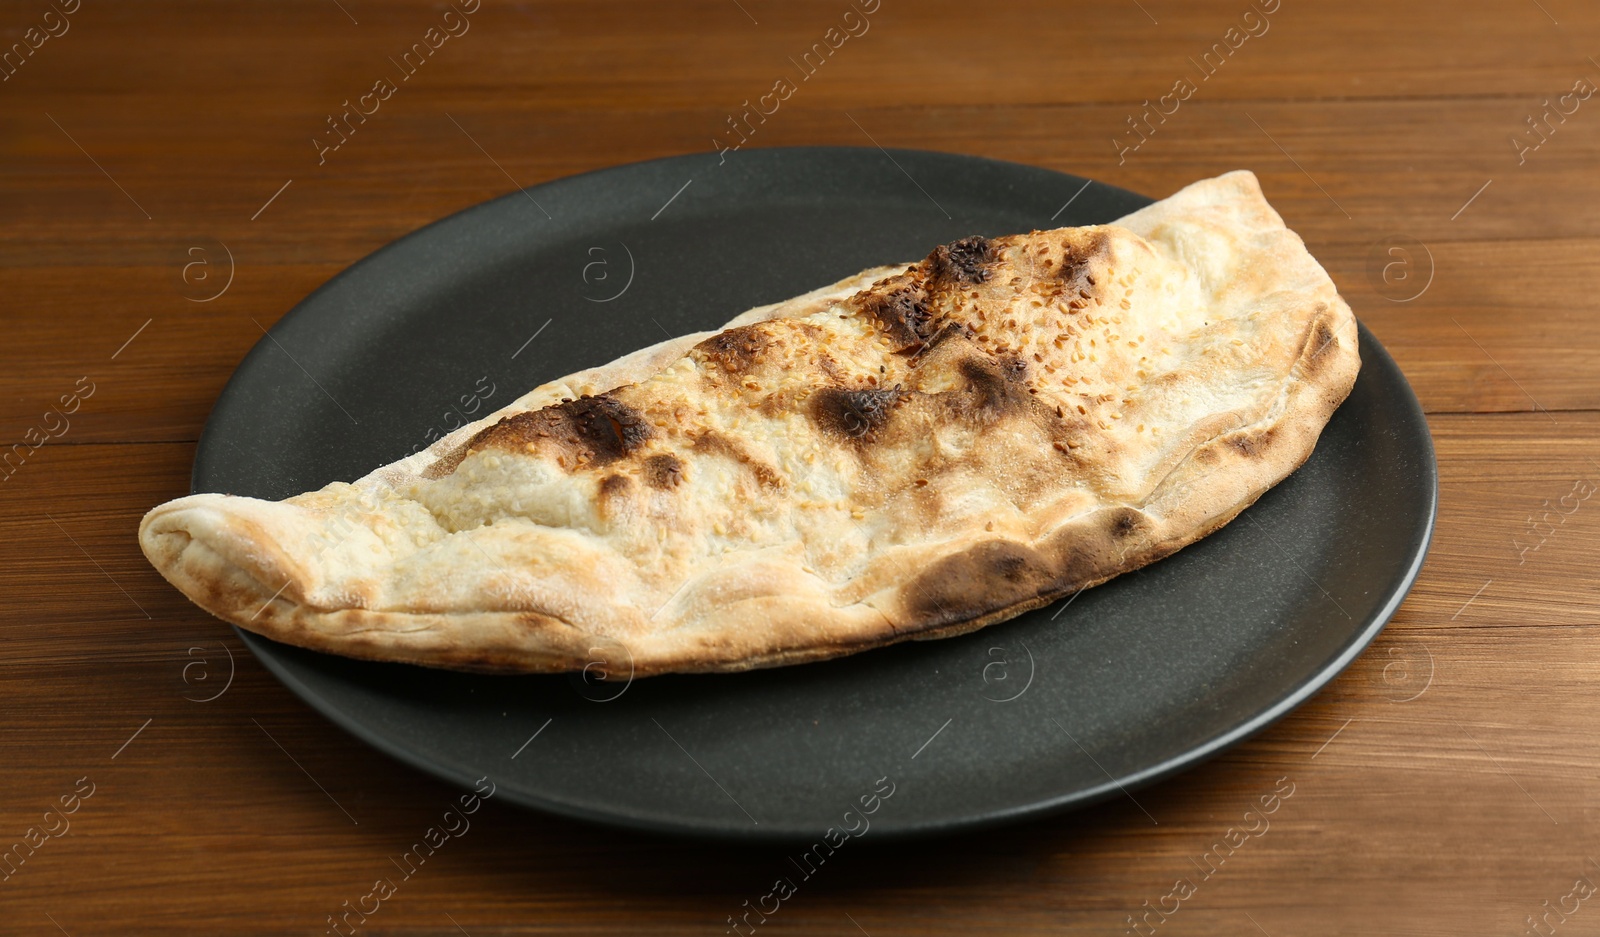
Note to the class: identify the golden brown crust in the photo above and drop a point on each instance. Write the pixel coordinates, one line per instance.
(912, 453)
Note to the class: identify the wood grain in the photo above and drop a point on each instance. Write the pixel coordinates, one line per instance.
(1445, 784)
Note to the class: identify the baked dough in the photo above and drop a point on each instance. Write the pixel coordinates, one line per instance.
(913, 452)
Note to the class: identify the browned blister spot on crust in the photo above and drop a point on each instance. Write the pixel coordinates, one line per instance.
(963, 262)
(1099, 546)
(853, 414)
(663, 472)
(593, 431)
(992, 575)
(613, 489)
(995, 385)
(1082, 252)
(1014, 368)
(714, 442)
(946, 331)
(900, 311)
(1125, 523)
(1249, 445)
(1324, 345)
(736, 350)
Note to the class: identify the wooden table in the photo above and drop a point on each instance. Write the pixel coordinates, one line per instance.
(1448, 783)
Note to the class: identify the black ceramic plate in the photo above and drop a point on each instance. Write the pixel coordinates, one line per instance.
(1061, 707)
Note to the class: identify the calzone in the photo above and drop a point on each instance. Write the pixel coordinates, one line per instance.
(912, 452)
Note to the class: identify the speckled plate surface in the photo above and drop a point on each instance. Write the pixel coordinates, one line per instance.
(1130, 683)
